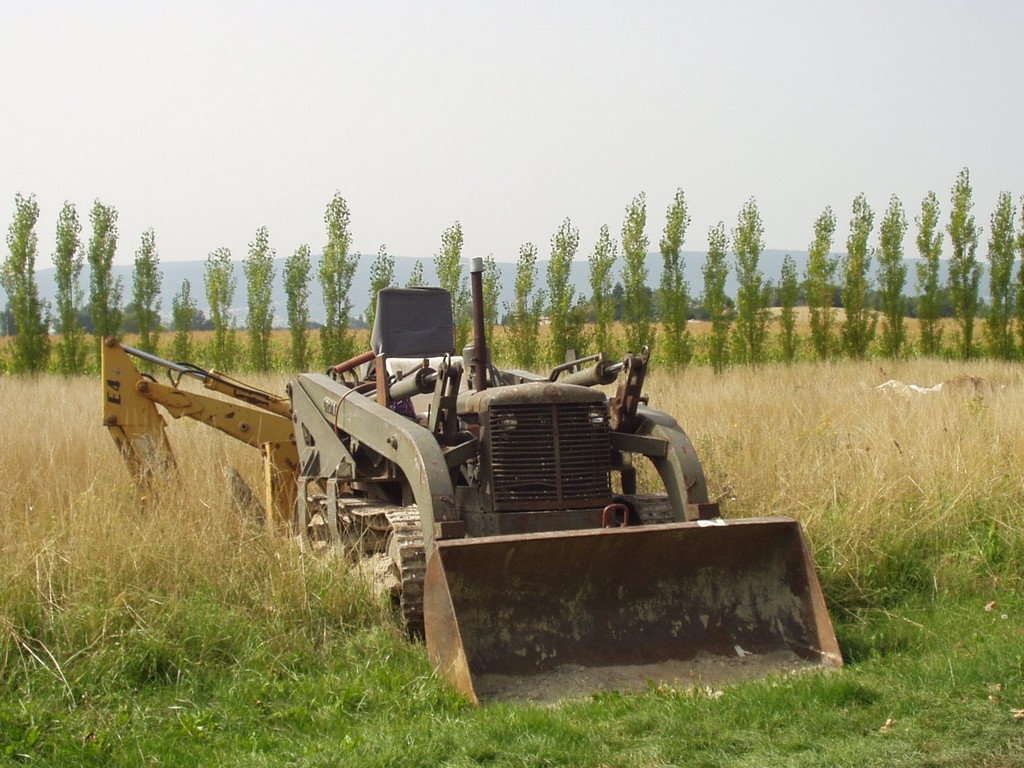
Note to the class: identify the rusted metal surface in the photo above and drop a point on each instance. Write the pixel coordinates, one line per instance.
(480, 524)
(544, 447)
(482, 360)
(353, 362)
(527, 605)
(547, 456)
(627, 397)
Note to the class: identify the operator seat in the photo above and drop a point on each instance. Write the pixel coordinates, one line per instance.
(413, 323)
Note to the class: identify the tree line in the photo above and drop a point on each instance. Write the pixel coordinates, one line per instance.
(623, 312)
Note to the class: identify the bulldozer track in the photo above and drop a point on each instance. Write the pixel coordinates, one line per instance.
(368, 528)
(407, 552)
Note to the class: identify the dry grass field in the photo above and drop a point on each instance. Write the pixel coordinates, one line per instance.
(108, 597)
(86, 561)
(866, 471)
(871, 473)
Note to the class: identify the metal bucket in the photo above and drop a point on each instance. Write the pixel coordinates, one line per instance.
(628, 600)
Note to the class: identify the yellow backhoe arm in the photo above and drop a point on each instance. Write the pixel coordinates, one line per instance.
(130, 413)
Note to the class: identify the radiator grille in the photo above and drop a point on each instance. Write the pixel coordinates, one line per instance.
(547, 456)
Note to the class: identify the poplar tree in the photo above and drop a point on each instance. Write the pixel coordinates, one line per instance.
(492, 291)
(636, 295)
(563, 309)
(183, 314)
(964, 269)
(525, 311)
(382, 275)
(416, 279)
(789, 292)
(602, 303)
(104, 288)
(68, 259)
(337, 267)
(892, 277)
(716, 271)
(859, 327)
(220, 291)
(146, 281)
(30, 349)
(258, 268)
(929, 246)
(819, 284)
(448, 266)
(1001, 255)
(675, 293)
(1020, 278)
(750, 331)
(296, 289)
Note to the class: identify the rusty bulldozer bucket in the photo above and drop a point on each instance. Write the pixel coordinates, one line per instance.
(547, 615)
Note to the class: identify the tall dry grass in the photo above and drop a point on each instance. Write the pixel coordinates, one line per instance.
(86, 562)
(896, 494)
(890, 487)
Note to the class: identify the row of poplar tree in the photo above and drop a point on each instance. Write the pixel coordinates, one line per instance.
(739, 330)
(28, 319)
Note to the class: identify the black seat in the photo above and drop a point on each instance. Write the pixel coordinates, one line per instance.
(413, 322)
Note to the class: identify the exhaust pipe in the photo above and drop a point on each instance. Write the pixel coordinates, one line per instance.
(476, 354)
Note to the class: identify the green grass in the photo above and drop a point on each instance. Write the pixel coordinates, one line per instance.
(212, 687)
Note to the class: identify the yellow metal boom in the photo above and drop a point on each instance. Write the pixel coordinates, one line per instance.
(130, 413)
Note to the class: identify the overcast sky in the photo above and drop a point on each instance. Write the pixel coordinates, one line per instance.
(206, 120)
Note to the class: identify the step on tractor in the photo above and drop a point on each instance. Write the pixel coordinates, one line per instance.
(503, 505)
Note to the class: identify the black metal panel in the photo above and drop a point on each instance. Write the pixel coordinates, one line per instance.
(548, 455)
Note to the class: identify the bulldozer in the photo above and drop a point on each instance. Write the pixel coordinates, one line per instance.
(504, 505)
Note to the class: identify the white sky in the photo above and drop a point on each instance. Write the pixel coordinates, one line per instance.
(206, 120)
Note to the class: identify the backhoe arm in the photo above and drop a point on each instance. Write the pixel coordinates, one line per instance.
(133, 420)
(130, 413)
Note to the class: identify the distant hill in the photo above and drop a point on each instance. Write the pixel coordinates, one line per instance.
(175, 272)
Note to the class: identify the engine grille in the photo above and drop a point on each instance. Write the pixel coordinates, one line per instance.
(547, 456)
